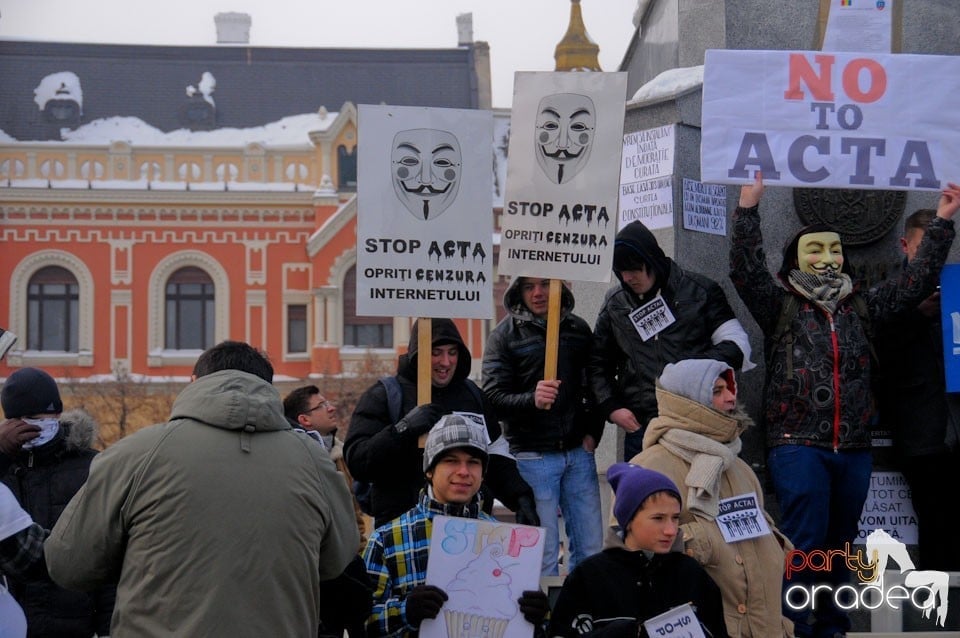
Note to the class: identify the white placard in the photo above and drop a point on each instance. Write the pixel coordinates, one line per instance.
(650, 202)
(888, 507)
(864, 25)
(648, 154)
(424, 227)
(741, 518)
(652, 318)
(704, 207)
(484, 567)
(839, 120)
(560, 210)
(681, 621)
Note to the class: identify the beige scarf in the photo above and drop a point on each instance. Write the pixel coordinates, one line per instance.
(708, 460)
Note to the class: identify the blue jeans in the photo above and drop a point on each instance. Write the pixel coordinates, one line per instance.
(821, 495)
(568, 481)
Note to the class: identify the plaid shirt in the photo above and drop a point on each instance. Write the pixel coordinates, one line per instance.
(396, 558)
(22, 551)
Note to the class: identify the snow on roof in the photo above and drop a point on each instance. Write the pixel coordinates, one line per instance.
(58, 86)
(669, 84)
(293, 130)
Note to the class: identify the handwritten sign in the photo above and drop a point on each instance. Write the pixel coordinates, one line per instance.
(646, 177)
(560, 210)
(424, 230)
(704, 207)
(484, 567)
(841, 120)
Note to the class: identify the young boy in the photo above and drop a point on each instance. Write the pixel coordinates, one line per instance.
(611, 594)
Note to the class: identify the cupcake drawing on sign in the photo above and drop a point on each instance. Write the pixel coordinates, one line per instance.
(482, 602)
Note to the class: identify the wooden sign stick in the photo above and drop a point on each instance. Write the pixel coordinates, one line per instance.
(553, 331)
(424, 372)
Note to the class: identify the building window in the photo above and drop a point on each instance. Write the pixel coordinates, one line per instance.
(189, 310)
(347, 168)
(53, 310)
(362, 332)
(296, 328)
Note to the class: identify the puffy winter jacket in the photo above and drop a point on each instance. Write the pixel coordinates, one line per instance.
(44, 479)
(222, 521)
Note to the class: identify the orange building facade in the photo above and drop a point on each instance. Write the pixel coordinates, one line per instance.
(146, 270)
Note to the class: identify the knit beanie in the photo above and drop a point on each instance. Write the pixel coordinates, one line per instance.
(454, 431)
(30, 391)
(632, 485)
(694, 379)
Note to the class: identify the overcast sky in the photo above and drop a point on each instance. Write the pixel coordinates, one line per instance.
(522, 33)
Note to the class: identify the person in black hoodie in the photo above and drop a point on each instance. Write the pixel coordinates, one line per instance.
(659, 314)
(44, 459)
(384, 451)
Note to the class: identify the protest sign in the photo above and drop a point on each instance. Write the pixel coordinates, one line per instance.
(646, 177)
(835, 120)
(560, 209)
(484, 567)
(888, 506)
(704, 207)
(424, 200)
(860, 26)
(950, 319)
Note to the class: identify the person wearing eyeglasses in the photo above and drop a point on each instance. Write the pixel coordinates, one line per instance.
(308, 411)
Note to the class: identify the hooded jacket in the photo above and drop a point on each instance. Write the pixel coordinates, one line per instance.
(43, 480)
(751, 588)
(393, 461)
(222, 521)
(513, 363)
(824, 397)
(623, 367)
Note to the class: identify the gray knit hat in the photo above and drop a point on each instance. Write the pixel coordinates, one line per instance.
(454, 431)
(694, 379)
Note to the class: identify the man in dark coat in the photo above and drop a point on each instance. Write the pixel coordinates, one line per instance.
(384, 450)
(44, 459)
(551, 431)
(659, 314)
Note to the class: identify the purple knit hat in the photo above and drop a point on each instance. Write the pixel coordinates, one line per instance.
(632, 485)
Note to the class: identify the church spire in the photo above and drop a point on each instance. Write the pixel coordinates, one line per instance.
(576, 51)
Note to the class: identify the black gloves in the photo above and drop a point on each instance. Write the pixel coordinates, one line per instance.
(527, 511)
(346, 601)
(424, 601)
(419, 420)
(535, 606)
